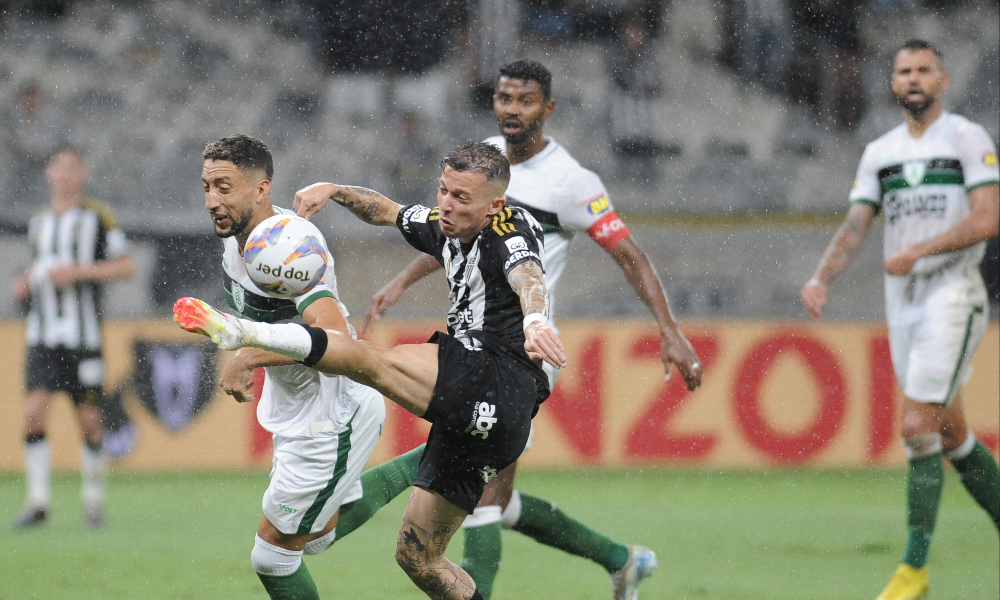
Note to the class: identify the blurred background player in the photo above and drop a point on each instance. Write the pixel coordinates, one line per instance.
(324, 427)
(565, 198)
(935, 179)
(76, 246)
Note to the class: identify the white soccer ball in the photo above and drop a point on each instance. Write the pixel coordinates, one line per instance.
(286, 255)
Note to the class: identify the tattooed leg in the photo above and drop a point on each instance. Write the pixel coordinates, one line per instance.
(428, 525)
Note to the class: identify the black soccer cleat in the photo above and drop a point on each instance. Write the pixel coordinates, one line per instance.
(30, 517)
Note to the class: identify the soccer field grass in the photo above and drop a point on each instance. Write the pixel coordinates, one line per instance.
(734, 536)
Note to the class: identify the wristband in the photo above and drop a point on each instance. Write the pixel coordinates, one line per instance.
(534, 318)
(815, 282)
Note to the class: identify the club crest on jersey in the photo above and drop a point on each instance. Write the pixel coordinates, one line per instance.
(599, 204)
(239, 297)
(913, 172)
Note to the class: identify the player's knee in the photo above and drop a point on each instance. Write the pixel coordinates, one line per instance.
(409, 559)
(922, 446)
(268, 559)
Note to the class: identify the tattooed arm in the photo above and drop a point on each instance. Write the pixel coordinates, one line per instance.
(838, 255)
(368, 205)
(539, 340)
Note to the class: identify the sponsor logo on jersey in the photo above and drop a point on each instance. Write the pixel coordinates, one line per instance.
(239, 297)
(516, 243)
(990, 159)
(483, 419)
(418, 214)
(460, 319)
(899, 205)
(599, 204)
(914, 171)
(518, 256)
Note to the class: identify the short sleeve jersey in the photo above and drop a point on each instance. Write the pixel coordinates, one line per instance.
(69, 317)
(921, 186)
(296, 401)
(565, 198)
(482, 300)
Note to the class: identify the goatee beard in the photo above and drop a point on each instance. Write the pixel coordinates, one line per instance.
(916, 109)
(527, 132)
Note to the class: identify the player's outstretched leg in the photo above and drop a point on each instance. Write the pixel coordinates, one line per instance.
(979, 474)
(196, 316)
(380, 485)
(542, 521)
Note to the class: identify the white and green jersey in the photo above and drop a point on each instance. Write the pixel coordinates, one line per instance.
(296, 401)
(564, 198)
(921, 186)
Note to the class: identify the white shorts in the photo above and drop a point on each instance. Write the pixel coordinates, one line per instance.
(312, 477)
(933, 357)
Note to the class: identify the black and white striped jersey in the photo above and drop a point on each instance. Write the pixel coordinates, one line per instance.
(80, 235)
(482, 300)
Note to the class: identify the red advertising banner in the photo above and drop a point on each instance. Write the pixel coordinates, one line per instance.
(776, 394)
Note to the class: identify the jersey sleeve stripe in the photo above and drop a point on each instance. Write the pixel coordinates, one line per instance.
(869, 202)
(302, 306)
(976, 186)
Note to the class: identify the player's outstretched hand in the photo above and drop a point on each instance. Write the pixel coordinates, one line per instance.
(381, 301)
(312, 199)
(541, 342)
(814, 297)
(675, 349)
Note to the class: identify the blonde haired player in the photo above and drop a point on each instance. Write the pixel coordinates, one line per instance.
(935, 179)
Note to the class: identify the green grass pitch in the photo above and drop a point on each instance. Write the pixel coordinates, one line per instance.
(734, 536)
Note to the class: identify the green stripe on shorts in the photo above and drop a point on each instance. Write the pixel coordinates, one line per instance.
(961, 354)
(343, 449)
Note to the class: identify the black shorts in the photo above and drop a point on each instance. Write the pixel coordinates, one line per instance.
(77, 372)
(481, 414)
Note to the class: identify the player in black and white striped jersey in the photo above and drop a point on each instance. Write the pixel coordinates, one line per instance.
(76, 247)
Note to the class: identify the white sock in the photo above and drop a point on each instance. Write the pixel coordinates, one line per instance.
(321, 543)
(512, 513)
(94, 471)
(38, 473)
(965, 448)
(289, 339)
(268, 559)
(483, 515)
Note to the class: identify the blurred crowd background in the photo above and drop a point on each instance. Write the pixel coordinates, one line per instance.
(727, 131)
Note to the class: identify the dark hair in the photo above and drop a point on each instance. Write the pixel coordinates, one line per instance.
(479, 157)
(528, 70)
(67, 148)
(247, 153)
(916, 44)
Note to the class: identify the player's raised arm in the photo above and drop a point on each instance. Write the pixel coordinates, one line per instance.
(368, 205)
(421, 267)
(674, 347)
(838, 255)
(540, 341)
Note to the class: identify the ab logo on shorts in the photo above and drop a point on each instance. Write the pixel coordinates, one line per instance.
(483, 419)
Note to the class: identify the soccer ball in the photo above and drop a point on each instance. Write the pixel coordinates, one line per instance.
(285, 255)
